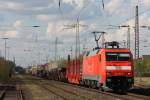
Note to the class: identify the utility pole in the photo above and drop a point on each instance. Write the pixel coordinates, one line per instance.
(71, 52)
(14, 60)
(77, 37)
(8, 51)
(103, 39)
(56, 42)
(128, 38)
(0, 53)
(77, 40)
(84, 45)
(5, 46)
(136, 34)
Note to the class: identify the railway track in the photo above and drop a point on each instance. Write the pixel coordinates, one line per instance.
(2, 94)
(85, 97)
(68, 91)
(20, 95)
(56, 86)
(38, 83)
(11, 93)
(128, 96)
(60, 92)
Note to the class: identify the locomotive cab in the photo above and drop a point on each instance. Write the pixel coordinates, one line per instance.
(119, 68)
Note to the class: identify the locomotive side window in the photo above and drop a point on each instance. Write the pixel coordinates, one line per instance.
(118, 56)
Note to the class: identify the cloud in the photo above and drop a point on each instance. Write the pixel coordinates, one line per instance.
(78, 3)
(43, 17)
(113, 6)
(63, 29)
(10, 34)
(146, 3)
(18, 24)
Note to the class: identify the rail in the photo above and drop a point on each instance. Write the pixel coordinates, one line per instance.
(2, 94)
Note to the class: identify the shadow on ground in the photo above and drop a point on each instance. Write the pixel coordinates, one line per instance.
(141, 91)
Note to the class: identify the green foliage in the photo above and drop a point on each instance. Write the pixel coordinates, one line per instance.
(19, 70)
(6, 68)
(142, 67)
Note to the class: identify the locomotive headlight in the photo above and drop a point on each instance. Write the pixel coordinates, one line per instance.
(111, 67)
(118, 67)
(126, 67)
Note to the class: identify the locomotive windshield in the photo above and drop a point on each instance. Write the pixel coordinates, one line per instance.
(118, 56)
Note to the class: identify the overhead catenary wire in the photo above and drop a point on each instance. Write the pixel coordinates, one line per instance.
(140, 13)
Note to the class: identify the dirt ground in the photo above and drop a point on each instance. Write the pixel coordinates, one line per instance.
(144, 81)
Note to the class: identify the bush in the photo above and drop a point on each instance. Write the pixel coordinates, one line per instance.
(142, 67)
(6, 68)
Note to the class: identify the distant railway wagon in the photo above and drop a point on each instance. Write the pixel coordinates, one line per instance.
(58, 74)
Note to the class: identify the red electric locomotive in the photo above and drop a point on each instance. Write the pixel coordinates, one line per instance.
(103, 68)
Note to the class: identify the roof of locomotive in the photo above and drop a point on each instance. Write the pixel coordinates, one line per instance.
(97, 51)
(115, 50)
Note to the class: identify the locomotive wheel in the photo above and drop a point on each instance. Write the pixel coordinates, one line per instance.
(81, 83)
(93, 85)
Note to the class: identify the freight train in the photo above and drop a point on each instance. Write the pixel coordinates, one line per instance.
(105, 68)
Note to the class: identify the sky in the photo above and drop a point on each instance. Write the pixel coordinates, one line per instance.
(35, 45)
